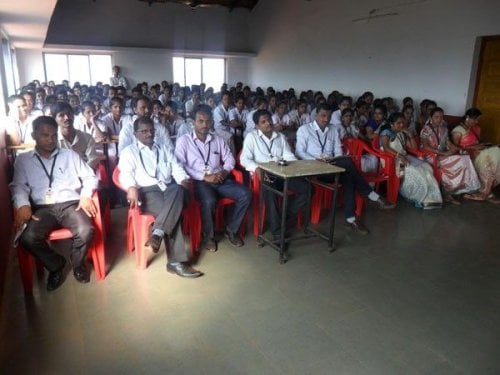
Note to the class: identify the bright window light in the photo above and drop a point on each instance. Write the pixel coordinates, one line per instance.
(213, 73)
(86, 69)
(79, 69)
(193, 71)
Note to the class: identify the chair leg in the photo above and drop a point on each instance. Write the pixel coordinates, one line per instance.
(26, 268)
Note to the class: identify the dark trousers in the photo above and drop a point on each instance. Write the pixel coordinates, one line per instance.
(297, 201)
(166, 206)
(209, 194)
(56, 216)
(351, 181)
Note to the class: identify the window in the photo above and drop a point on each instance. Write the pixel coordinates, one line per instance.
(86, 69)
(193, 71)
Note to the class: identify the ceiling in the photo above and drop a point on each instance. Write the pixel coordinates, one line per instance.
(35, 23)
(26, 21)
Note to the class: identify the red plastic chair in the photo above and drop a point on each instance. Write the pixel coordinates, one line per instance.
(139, 225)
(219, 212)
(95, 253)
(386, 172)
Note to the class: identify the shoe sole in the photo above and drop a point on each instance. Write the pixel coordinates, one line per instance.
(193, 276)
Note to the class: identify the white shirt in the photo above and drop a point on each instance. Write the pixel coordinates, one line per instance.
(234, 114)
(312, 142)
(221, 119)
(22, 129)
(283, 120)
(250, 125)
(257, 148)
(127, 136)
(303, 119)
(72, 178)
(336, 118)
(80, 123)
(156, 167)
(113, 127)
(83, 144)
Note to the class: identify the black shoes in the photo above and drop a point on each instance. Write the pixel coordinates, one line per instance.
(234, 239)
(183, 270)
(56, 278)
(357, 227)
(154, 242)
(82, 273)
(209, 244)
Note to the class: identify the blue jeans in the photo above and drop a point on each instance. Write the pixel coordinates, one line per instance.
(208, 195)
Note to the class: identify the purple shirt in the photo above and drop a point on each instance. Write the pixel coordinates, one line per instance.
(201, 158)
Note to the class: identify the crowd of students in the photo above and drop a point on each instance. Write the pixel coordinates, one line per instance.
(166, 134)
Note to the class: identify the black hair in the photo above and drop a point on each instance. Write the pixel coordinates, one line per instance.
(116, 100)
(437, 109)
(60, 107)
(203, 108)
(259, 113)
(173, 105)
(135, 101)
(43, 120)
(394, 117)
(323, 107)
(473, 113)
(142, 120)
(347, 110)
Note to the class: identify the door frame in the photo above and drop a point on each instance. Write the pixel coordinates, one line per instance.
(484, 40)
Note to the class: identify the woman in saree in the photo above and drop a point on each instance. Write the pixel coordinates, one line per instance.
(458, 175)
(418, 183)
(486, 159)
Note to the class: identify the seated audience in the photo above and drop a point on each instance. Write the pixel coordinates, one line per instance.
(18, 126)
(265, 145)
(209, 162)
(141, 106)
(156, 182)
(319, 140)
(299, 116)
(458, 174)
(52, 188)
(377, 121)
(69, 137)
(486, 158)
(418, 183)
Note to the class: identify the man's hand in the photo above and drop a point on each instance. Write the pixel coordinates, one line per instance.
(87, 205)
(133, 197)
(258, 173)
(185, 183)
(23, 215)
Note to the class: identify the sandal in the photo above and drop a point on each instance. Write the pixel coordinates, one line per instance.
(492, 199)
(474, 197)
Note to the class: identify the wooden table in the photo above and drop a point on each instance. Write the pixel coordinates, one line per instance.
(296, 169)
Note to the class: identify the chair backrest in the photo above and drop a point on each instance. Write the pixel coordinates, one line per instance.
(116, 178)
(376, 142)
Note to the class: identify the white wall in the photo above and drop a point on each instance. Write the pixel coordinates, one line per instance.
(138, 65)
(427, 50)
(30, 65)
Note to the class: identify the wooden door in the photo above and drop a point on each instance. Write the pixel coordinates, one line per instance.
(487, 95)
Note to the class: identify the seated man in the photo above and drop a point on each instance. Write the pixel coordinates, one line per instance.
(264, 145)
(142, 107)
(18, 126)
(52, 188)
(319, 140)
(69, 137)
(146, 171)
(209, 162)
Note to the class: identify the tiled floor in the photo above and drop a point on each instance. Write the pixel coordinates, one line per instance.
(419, 295)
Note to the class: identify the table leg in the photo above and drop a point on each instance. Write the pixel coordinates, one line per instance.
(260, 224)
(331, 245)
(284, 207)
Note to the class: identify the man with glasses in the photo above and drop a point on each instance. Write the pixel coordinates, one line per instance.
(155, 181)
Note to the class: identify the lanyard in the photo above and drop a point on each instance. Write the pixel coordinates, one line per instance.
(51, 175)
(205, 160)
(269, 148)
(119, 125)
(156, 167)
(321, 144)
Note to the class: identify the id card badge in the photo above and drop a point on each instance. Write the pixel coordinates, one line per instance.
(162, 185)
(49, 197)
(206, 170)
